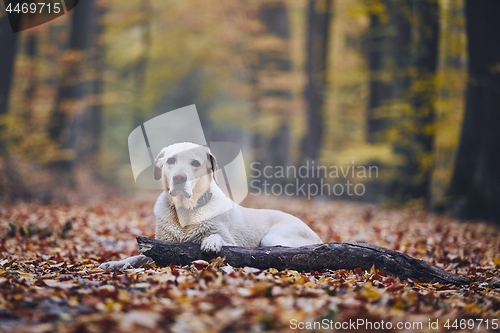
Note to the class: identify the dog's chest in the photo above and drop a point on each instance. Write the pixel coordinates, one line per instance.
(192, 233)
(183, 226)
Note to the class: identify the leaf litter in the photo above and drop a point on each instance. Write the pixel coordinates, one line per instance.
(50, 280)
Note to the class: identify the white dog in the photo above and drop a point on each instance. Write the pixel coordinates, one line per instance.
(194, 208)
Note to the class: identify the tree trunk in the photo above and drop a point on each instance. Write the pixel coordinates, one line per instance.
(140, 67)
(415, 48)
(476, 181)
(93, 121)
(378, 48)
(424, 92)
(306, 258)
(8, 40)
(272, 88)
(65, 120)
(318, 28)
(12, 186)
(29, 93)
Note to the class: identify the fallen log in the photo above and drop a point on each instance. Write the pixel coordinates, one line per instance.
(318, 257)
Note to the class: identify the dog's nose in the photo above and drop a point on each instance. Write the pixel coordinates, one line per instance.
(179, 178)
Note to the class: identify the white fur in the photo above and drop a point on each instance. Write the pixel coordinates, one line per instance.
(220, 221)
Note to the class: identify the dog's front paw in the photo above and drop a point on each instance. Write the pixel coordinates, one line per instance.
(131, 262)
(212, 243)
(112, 266)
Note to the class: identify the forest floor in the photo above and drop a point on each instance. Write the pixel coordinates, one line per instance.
(50, 280)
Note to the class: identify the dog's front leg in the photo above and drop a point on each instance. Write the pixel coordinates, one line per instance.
(213, 243)
(131, 262)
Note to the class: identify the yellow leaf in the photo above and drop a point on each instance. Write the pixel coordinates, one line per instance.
(26, 275)
(473, 309)
(273, 270)
(398, 304)
(113, 306)
(370, 293)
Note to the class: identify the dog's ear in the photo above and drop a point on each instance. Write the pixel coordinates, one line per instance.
(157, 172)
(213, 165)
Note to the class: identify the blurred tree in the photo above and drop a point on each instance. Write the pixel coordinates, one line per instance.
(8, 40)
(272, 85)
(139, 68)
(452, 82)
(402, 58)
(29, 92)
(476, 182)
(11, 185)
(318, 32)
(75, 85)
(416, 56)
(377, 48)
(93, 126)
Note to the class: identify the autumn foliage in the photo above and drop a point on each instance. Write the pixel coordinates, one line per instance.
(408, 87)
(50, 281)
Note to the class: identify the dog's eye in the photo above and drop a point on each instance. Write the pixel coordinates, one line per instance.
(195, 163)
(171, 160)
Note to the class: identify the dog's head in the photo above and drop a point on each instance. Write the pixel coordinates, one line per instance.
(186, 170)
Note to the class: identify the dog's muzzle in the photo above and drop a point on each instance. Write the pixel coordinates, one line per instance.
(179, 185)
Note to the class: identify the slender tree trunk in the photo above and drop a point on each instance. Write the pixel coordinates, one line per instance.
(94, 112)
(140, 67)
(378, 51)
(273, 93)
(476, 181)
(29, 93)
(318, 27)
(65, 120)
(12, 187)
(451, 90)
(8, 42)
(414, 95)
(423, 99)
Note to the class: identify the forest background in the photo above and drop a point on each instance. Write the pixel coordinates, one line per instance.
(383, 83)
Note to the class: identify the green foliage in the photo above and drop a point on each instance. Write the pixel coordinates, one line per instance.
(66, 228)
(31, 230)
(12, 230)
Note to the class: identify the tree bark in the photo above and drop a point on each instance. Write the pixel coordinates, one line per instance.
(29, 92)
(378, 45)
(273, 93)
(12, 187)
(318, 28)
(475, 184)
(8, 41)
(306, 258)
(416, 64)
(93, 121)
(74, 87)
